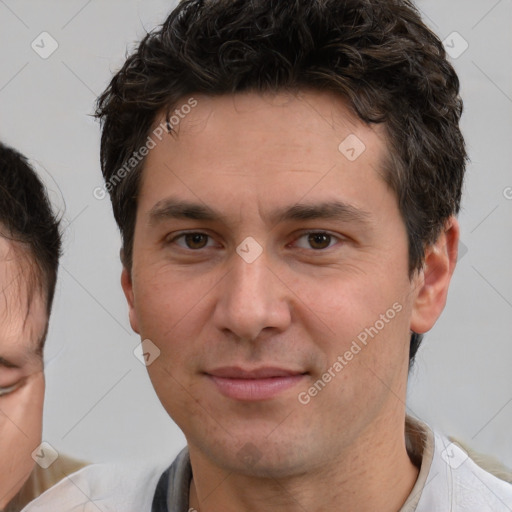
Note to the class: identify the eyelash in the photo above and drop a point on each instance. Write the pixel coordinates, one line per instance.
(307, 233)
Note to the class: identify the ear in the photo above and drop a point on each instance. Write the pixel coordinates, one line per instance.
(127, 285)
(432, 282)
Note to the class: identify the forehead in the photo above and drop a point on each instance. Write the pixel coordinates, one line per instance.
(304, 143)
(22, 312)
(265, 120)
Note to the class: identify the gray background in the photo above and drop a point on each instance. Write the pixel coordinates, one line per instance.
(99, 402)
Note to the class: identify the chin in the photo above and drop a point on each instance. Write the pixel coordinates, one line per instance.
(258, 457)
(271, 466)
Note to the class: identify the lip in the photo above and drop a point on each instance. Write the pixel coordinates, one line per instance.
(256, 384)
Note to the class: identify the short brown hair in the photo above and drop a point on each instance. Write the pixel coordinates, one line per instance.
(27, 219)
(377, 54)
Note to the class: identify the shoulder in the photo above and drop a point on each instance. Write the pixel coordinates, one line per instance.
(466, 486)
(477, 489)
(41, 479)
(107, 487)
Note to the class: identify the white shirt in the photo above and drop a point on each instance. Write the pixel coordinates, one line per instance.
(448, 481)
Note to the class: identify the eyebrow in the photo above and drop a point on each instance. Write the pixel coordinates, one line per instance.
(171, 208)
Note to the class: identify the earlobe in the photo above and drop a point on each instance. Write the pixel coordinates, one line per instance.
(434, 279)
(127, 285)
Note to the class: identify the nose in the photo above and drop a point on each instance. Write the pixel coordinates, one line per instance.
(252, 298)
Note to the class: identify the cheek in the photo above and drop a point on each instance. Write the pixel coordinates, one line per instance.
(367, 358)
(169, 315)
(171, 306)
(367, 324)
(20, 433)
(346, 304)
(162, 296)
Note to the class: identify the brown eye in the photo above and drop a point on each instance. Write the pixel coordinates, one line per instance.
(319, 240)
(191, 241)
(196, 240)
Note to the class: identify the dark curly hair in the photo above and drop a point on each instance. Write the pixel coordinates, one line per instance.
(376, 54)
(27, 218)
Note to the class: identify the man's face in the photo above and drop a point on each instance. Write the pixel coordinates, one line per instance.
(22, 327)
(243, 335)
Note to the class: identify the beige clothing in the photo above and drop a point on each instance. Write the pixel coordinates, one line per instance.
(41, 480)
(448, 481)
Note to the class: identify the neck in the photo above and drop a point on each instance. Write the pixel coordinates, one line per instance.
(375, 473)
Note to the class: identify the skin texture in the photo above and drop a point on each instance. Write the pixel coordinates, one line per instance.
(298, 306)
(22, 327)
